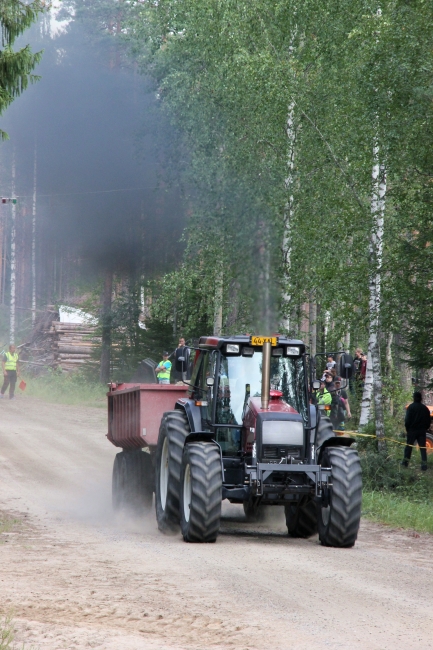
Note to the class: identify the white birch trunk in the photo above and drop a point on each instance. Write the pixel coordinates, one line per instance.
(288, 214)
(218, 306)
(13, 261)
(34, 240)
(313, 325)
(326, 328)
(373, 380)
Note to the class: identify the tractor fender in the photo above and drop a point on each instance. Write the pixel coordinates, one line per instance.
(333, 441)
(192, 413)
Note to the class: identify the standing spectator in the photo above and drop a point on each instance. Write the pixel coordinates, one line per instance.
(323, 396)
(417, 421)
(355, 381)
(182, 351)
(10, 365)
(330, 364)
(329, 380)
(342, 411)
(363, 370)
(163, 369)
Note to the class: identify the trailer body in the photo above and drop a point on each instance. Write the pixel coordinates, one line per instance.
(135, 412)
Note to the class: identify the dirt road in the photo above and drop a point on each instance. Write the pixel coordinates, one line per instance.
(74, 578)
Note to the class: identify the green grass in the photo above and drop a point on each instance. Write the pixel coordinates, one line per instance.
(62, 388)
(7, 523)
(398, 511)
(6, 633)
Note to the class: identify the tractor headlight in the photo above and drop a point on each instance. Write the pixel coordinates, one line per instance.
(231, 348)
(293, 351)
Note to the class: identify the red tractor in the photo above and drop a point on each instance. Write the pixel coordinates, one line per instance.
(246, 429)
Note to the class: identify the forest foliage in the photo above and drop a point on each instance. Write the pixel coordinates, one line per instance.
(249, 84)
(16, 66)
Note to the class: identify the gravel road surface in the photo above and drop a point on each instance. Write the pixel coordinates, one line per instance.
(74, 577)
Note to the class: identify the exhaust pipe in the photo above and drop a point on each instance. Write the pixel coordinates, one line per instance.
(266, 375)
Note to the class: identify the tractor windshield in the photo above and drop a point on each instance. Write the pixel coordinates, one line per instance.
(287, 375)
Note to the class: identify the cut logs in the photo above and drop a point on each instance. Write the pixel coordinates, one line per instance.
(58, 345)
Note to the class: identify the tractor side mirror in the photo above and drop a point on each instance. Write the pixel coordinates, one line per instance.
(210, 381)
(315, 384)
(346, 366)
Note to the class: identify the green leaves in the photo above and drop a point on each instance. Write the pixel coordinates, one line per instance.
(16, 67)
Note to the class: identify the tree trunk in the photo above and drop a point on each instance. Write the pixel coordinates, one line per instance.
(104, 374)
(13, 260)
(288, 217)
(218, 306)
(373, 382)
(313, 325)
(34, 240)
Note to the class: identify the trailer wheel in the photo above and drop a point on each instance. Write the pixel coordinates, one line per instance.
(172, 433)
(338, 520)
(132, 482)
(301, 517)
(254, 512)
(201, 492)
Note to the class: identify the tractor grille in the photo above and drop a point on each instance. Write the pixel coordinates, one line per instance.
(276, 452)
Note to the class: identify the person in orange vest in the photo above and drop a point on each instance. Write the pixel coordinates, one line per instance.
(10, 365)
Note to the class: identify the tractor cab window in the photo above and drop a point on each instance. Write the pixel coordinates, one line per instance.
(236, 373)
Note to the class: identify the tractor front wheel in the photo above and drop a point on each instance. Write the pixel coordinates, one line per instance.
(301, 517)
(339, 515)
(172, 433)
(201, 492)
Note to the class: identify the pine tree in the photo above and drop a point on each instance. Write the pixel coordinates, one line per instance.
(16, 67)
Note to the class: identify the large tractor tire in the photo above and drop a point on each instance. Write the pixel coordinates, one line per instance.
(201, 492)
(301, 517)
(132, 485)
(339, 516)
(172, 433)
(324, 430)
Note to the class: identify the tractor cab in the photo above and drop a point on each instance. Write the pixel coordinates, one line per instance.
(226, 385)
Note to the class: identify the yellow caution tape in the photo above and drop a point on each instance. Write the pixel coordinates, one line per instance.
(369, 435)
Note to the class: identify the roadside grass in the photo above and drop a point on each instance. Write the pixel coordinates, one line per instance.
(7, 635)
(63, 388)
(395, 495)
(396, 511)
(7, 524)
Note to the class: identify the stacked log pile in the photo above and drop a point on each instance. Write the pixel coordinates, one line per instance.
(72, 344)
(58, 345)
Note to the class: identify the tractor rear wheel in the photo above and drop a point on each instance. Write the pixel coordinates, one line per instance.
(201, 492)
(301, 517)
(172, 433)
(132, 487)
(339, 517)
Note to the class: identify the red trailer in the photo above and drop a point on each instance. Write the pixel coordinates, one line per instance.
(134, 416)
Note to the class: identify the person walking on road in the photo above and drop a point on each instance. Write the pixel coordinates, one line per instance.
(10, 371)
(417, 421)
(163, 369)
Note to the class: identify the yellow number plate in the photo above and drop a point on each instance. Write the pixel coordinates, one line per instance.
(259, 340)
